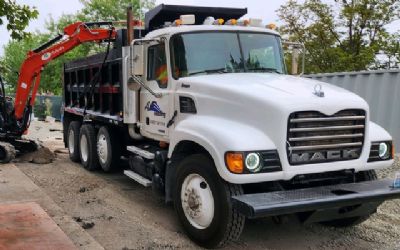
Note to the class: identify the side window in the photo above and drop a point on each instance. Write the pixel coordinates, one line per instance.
(157, 65)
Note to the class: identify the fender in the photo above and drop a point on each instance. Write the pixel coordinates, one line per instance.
(377, 133)
(218, 136)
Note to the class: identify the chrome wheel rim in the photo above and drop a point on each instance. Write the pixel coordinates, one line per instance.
(197, 201)
(102, 148)
(84, 148)
(71, 141)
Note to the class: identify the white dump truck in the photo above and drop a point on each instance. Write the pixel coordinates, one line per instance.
(200, 104)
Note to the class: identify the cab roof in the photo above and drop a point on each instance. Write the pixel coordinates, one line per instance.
(169, 31)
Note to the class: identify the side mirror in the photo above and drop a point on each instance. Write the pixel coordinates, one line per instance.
(137, 61)
(295, 62)
(296, 49)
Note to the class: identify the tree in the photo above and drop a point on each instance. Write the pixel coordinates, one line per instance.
(114, 10)
(18, 17)
(344, 36)
(51, 77)
(391, 52)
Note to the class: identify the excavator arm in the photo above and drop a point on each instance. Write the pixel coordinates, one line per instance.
(29, 77)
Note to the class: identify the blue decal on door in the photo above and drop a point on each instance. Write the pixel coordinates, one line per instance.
(153, 106)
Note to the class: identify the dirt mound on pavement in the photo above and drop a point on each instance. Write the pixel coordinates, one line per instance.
(41, 156)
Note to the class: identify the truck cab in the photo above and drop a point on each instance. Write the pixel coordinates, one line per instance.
(209, 118)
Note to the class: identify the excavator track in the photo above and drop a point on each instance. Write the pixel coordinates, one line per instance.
(10, 148)
(7, 152)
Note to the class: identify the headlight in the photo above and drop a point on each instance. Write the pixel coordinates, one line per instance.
(253, 162)
(381, 151)
(384, 152)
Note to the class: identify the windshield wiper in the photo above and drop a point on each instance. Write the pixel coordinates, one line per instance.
(273, 70)
(209, 71)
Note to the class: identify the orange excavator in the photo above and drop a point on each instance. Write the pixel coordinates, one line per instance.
(15, 115)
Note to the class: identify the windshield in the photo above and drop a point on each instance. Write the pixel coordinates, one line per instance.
(225, 52)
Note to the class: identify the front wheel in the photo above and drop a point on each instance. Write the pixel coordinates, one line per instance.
(203, 203)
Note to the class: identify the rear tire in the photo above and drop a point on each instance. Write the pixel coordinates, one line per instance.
(73, 141)
(203, 203)
(108, 149)
(87, 145)
(353, 221)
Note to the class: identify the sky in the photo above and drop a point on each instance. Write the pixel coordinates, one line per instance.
(265, 9)
(56, 8)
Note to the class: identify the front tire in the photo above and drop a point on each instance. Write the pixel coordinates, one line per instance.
(203, 203)
(353, 221)
(108, 149)
(87, 146)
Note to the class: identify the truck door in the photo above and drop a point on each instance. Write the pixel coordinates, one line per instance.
(154, 113)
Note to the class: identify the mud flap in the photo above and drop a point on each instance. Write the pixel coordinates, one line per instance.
(335, 201)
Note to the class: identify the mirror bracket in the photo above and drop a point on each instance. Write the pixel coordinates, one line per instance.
(136, 80)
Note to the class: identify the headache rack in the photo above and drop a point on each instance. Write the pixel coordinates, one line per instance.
(157, 17)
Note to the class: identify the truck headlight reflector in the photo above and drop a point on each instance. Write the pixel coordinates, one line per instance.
(253, 162)
(384, 152)
(381, 151)
(234, 162)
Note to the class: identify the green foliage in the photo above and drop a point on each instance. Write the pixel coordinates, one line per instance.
(340, 37)
(113, 10)
(18, 17)
(14, 53)
(51, 78)
(39, 109)
(391, 49)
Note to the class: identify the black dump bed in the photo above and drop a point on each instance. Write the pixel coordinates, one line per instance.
(99, 97)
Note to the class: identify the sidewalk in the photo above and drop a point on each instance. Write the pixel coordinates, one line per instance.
(17, 188)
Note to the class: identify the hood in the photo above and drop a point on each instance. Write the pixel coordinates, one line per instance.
(262, 102)
(282, 90)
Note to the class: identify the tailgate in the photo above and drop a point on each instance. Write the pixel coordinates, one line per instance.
(317, 198)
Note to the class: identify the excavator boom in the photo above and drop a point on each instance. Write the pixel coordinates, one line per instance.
(29, 78)
(15, 117)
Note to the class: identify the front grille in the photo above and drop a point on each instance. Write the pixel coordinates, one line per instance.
(313, 137)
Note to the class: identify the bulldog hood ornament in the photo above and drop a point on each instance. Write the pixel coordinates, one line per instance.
(318, 90)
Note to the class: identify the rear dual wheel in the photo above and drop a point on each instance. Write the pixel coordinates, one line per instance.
(93, 150)
(73, 140)
(87, 146)
(108, 149)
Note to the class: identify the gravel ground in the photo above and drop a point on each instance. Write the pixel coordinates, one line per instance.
(121, 214)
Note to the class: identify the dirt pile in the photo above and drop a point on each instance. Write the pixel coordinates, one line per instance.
(41, 156)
